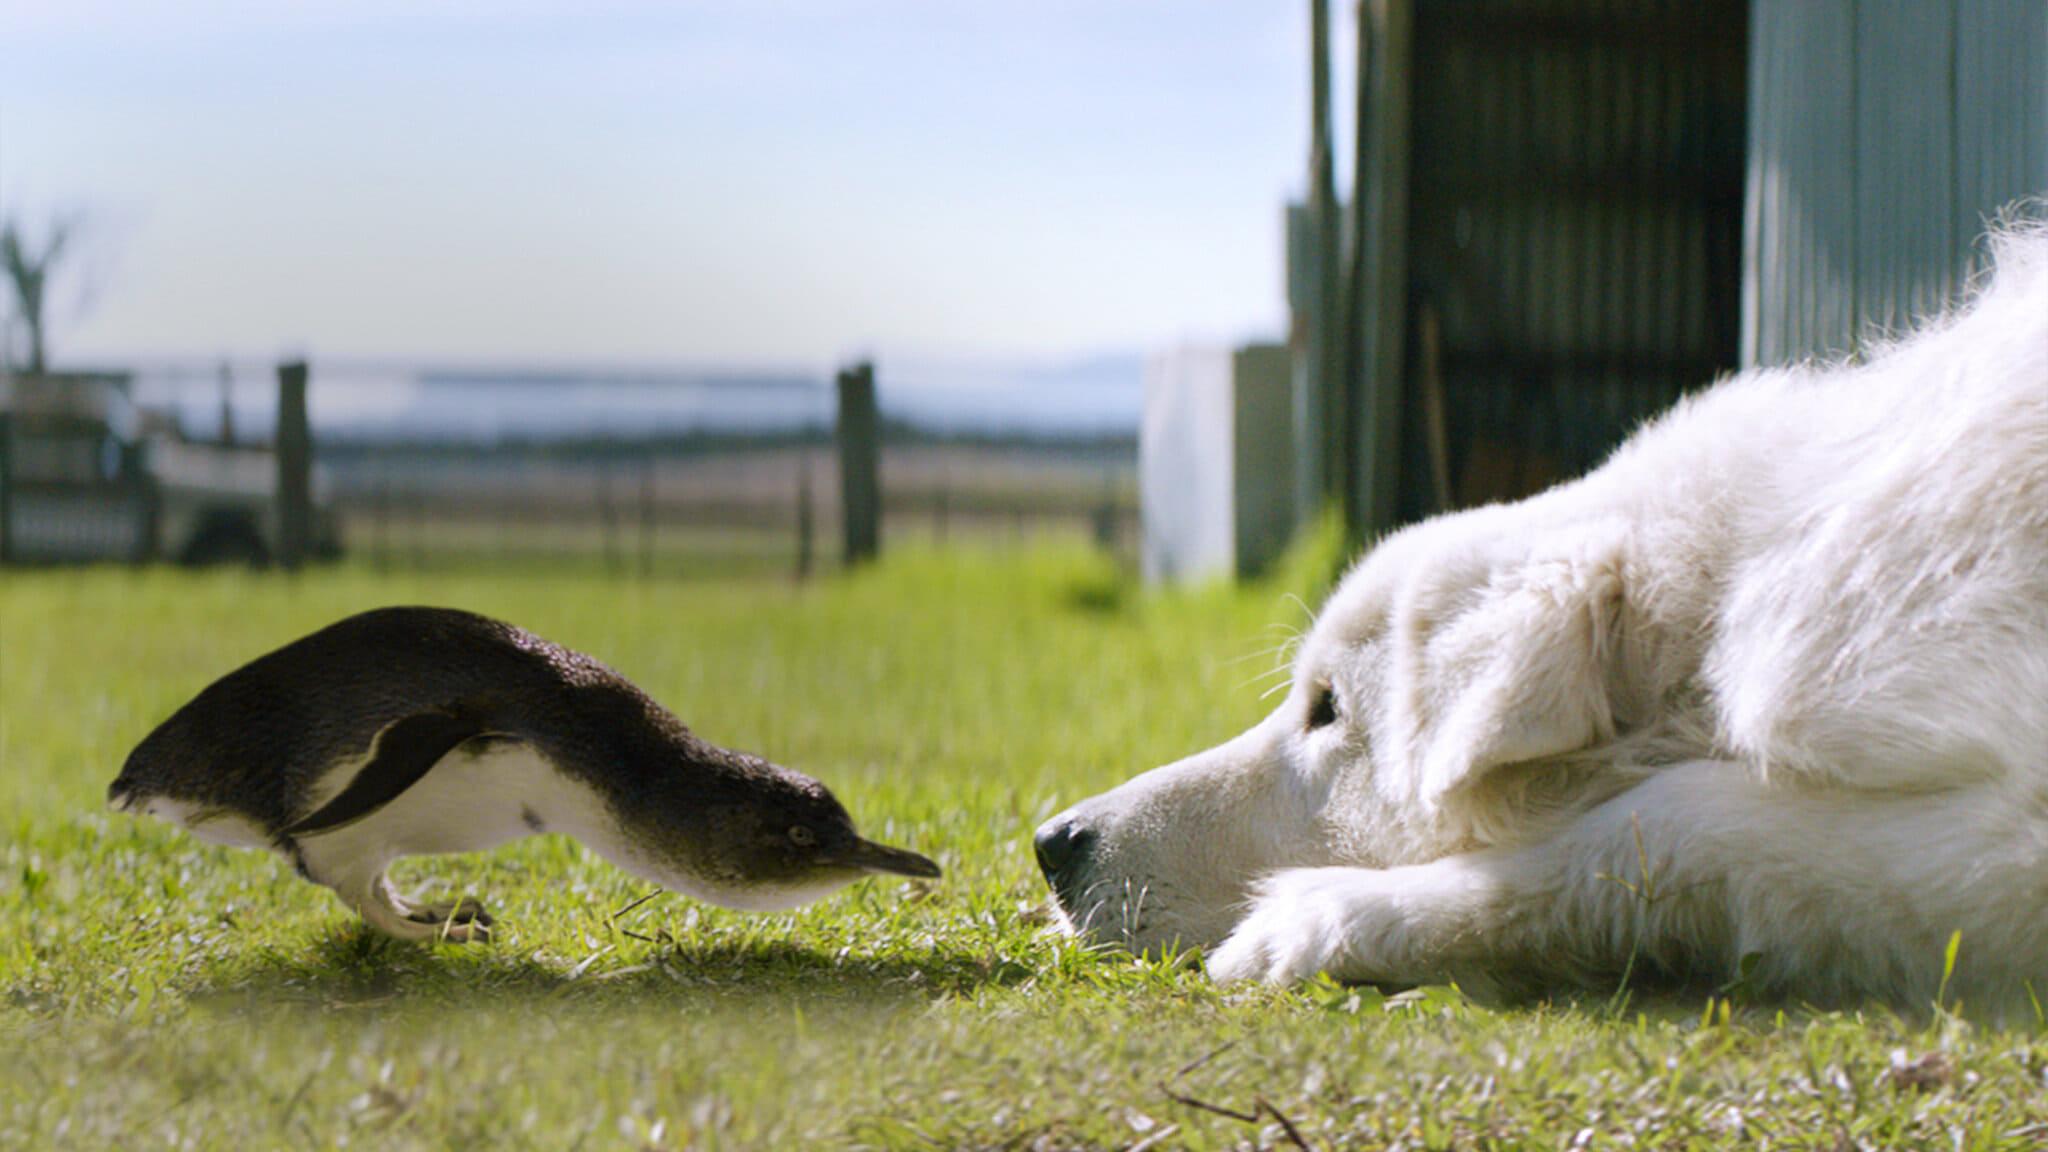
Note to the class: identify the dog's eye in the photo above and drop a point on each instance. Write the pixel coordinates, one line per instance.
(801, 836)
(1323, 712)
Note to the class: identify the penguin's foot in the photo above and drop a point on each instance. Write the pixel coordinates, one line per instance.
(395, 916)
(462, 922)
(464, 912)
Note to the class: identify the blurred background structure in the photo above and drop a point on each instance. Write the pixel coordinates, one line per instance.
(1451, 257)
(1568, 212)
(671, 476)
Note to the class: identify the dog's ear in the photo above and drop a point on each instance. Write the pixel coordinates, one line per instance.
(1515, 671)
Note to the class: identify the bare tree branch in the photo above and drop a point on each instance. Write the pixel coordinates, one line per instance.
(27, 267)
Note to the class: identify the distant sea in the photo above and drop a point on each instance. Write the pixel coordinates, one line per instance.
(365, 400)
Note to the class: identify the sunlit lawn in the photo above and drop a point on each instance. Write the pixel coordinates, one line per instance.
(163, 993)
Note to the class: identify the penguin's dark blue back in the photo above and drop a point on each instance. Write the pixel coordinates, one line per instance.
(257, 739)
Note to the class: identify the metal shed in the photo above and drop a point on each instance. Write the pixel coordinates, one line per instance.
(1575, 210)
(1887, 133)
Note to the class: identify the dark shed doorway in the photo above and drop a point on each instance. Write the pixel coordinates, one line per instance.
(1574, 234)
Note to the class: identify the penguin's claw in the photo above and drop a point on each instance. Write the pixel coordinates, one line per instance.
(464, 913)
(475, 932)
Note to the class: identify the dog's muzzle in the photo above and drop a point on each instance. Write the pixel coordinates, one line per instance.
(1063, 845)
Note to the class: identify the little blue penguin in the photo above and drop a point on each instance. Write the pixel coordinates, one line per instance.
(415, 731)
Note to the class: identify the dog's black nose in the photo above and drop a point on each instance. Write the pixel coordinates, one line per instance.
(1062, 844)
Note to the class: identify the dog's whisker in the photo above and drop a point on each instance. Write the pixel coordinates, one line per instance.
(1087, 923)
(1305, 610)
(1258, 678)
(1287, 630)
(1254, 681)
(1134, 916)
(1083, 898)
(1261, 654)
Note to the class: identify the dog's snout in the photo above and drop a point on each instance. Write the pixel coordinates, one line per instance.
(1062, 843)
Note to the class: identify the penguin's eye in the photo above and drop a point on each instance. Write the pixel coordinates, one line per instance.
(801, 836)
(1323, 711)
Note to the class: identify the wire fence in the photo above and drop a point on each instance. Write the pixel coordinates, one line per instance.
(707, 511)
(655, 480)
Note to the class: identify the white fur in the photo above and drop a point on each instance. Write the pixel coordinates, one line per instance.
(1772, 682)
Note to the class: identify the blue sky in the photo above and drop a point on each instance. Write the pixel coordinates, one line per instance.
(738, 182)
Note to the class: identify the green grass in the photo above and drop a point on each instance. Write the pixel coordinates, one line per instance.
(158, 992)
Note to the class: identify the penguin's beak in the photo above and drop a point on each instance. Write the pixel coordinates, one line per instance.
(872, 857)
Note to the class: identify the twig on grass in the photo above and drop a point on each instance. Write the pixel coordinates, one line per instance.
(1262, 1108)
(1286, 1125)
(1198, 1061)
(638, 902)
(661, 935)
(1251, 1117)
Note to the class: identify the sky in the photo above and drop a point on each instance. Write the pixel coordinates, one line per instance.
(731, 182)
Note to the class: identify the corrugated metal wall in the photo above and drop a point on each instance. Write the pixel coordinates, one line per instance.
(1575, 226)
(1884, 133)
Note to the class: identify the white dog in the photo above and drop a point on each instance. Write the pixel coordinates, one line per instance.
(1765, 694)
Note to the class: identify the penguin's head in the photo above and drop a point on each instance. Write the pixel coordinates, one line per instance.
(762, 839)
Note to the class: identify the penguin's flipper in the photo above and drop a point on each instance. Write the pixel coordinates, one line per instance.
(401, 755)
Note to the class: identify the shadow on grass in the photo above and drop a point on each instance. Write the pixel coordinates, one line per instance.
(351, 966)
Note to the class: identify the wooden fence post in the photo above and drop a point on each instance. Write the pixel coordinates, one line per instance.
(380, 549)
(860, 472)
(805, 529)
(1106, 520)
(6, 488)
(607, 516)
(647, 515)
(294, 466)
(416, 498)
(145, 504)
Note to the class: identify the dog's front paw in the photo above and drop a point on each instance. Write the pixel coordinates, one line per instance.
(1301, 923)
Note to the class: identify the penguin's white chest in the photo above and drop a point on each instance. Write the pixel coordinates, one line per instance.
(213, 825)
(476, 797)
